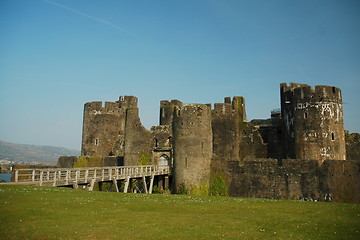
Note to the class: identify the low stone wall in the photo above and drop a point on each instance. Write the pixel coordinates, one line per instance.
(336, 181)
(66, 161)
(342, 180)
(93, 161)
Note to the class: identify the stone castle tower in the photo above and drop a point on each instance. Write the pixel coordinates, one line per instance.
(104, 127)
(192, 139)
(312, 122)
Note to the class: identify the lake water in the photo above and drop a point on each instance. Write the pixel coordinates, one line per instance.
(5, 177)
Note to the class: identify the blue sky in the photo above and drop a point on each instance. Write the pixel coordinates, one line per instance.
(56, 55)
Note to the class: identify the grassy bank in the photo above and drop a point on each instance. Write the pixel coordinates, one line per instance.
(58, 213)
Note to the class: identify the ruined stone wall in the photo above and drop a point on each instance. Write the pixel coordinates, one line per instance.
(296, 179)
(115, 130)
(251, 142)
(313, 124)
(233, 137)
(271, 133)
(138, 140)
(192, 146)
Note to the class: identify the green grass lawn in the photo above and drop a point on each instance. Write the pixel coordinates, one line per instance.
(60, 213)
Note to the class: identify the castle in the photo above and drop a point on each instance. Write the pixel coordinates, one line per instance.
(298, 153)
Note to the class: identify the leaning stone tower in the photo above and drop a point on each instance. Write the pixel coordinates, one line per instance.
(312, 120)
(192, 146)
(104, 127)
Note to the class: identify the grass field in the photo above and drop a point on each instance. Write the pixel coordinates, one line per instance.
(59, 213)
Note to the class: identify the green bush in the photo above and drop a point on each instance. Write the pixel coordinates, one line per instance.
(81, 162)
(181, 189)
(218, 187)
(145, 159)
(202, 190)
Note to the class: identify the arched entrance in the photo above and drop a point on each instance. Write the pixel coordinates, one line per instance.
(164, 160)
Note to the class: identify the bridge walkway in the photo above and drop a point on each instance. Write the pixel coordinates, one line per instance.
(58, 177)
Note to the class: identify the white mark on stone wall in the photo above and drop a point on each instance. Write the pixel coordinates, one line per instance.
(327, 110)
(302, 105)
(310, 135)
(305, 105)
(325, 151)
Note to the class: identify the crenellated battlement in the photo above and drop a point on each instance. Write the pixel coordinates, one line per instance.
(234, 106)
(321, 93)
(284, 87)
(93, 106)
(192, 110)
(128, 102)
(118, 107)
(172, 103)
(164, 103)
(223, 108)
(102, 108)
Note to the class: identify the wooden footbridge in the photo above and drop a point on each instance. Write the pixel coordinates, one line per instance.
(87, 177)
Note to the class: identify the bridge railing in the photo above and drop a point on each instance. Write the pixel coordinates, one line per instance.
(67, 176)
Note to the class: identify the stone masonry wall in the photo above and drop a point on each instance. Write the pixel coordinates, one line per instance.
(89, 161)
(225, 128)
(334, 180)
(352, 141)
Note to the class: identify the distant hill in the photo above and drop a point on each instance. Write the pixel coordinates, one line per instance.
(33, 153)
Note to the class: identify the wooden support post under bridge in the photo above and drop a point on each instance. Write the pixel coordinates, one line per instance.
(115, 184)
